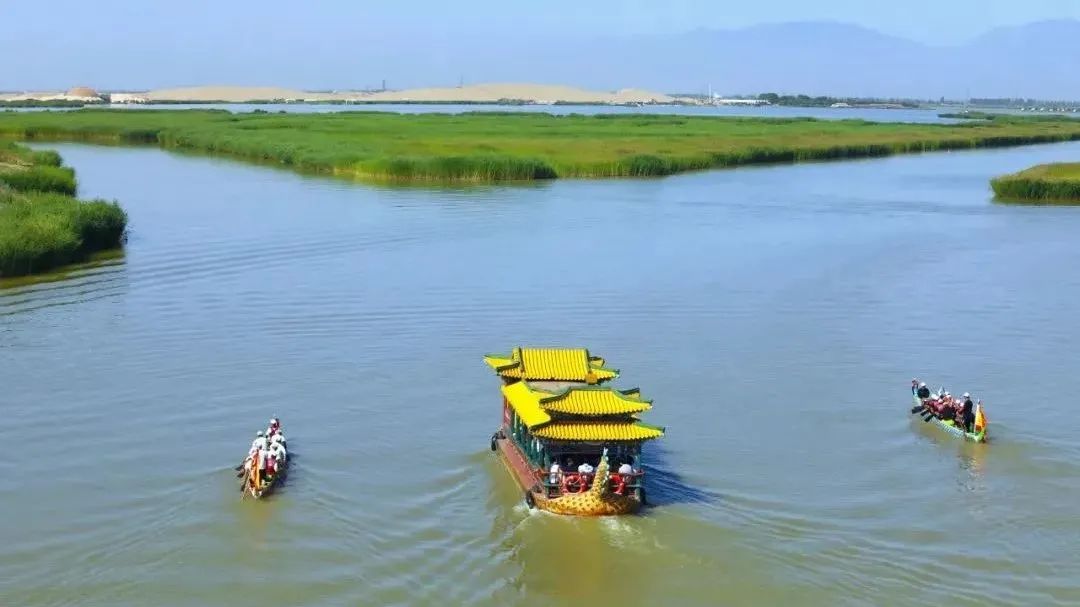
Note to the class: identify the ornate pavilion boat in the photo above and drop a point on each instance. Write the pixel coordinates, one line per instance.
(555, 412)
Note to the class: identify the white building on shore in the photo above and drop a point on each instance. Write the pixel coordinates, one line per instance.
(128, 98)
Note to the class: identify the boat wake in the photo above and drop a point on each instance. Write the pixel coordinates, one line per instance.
(666, 486)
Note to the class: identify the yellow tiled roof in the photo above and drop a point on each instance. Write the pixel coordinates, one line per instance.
(498, 361)
(596, 401)
(598, 431)
(556, 364)
(526, 403)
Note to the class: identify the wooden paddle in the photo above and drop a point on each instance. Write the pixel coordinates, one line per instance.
(923, 410)
(240, 469)
(927, 413)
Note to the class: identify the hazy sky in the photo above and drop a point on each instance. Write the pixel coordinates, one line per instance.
(112, 43)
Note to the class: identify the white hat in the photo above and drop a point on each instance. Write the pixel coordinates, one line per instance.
(922, 384)
(966, 395)
(259, 433)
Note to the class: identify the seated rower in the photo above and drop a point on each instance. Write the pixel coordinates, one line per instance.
(278, 450)
(278, 438)
(271, 464)
(946, 410)
(260, 441)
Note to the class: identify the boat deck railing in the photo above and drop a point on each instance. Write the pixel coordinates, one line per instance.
(633, 481)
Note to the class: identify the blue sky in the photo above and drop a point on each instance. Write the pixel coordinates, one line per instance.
(113, 43)
(933, 21)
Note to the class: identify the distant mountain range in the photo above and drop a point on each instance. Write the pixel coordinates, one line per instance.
(1037, 60)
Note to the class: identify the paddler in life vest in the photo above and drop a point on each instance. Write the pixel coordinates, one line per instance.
(271, 464)
(967, 413)
(947, 408)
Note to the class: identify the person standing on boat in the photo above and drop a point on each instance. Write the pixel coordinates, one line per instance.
(967, 413)
(554, 473)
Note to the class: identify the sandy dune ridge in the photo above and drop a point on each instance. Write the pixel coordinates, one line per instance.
(477, 93)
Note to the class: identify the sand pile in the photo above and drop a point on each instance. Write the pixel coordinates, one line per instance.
(479, 93)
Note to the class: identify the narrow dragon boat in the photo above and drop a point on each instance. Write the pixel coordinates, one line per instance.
(572, 444)
(923, 406)
(257, 483)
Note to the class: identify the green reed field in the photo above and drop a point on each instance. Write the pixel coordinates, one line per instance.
(1044, 183)
(42, 225)
(508, 146)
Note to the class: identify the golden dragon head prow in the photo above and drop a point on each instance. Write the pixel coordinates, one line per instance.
(600, 484)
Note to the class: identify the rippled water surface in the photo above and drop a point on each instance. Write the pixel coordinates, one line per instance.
(775, 315)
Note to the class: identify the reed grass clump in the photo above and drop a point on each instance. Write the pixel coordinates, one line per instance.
(41, 231)
(57, 179)
(479, 168)
(42, 225)
(1057, 183)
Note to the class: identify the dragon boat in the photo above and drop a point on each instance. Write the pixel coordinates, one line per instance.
(572, 444)
(926, 406)
(257, 483)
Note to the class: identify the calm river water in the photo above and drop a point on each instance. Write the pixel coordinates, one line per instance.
(775, 315)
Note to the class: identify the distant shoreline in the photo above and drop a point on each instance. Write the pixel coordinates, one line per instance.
(509, 93)
(504, 94)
